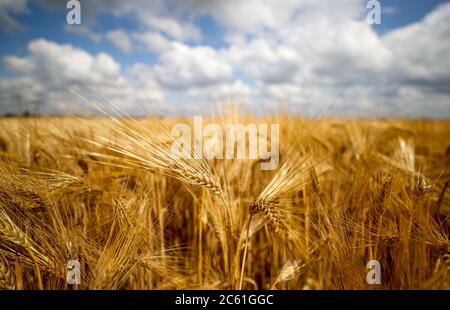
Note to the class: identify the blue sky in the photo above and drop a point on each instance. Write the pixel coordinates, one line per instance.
(405, 12)
(184, 57)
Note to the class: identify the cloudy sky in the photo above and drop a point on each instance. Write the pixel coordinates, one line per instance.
(189, 56)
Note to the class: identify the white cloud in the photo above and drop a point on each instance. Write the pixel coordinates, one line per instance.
(12, 94)
(422, 51)
(253, 16)
(17, 64)
(58, 63)
(310, 58)
(236, 90)
(250, 15)
(265, 62)
(146, 83)
(51, 70)
(120, 39)
(183, 66)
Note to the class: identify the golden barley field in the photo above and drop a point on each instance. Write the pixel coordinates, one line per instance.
(108, 193)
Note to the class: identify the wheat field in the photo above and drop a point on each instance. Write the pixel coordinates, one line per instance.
(108, 193)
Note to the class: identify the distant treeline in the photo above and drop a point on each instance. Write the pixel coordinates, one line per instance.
(21, 114)
(26, 114)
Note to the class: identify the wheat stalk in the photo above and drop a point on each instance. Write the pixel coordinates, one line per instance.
(146, 149)
(10, 232)
(7, 279)
(289, 271)
(272, 214)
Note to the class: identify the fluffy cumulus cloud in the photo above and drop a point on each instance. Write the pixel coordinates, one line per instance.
(421, 52)
(183, 66)
(50, 72)
(252, 16)
(322, 53)
(263, 61)
(306, 53)
(55, 63)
